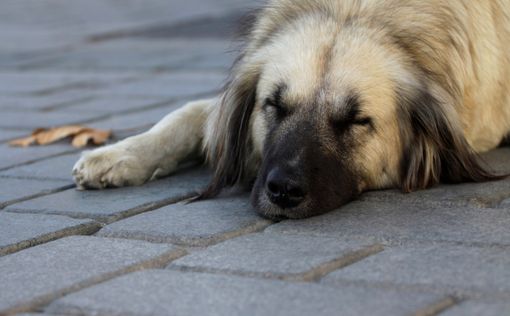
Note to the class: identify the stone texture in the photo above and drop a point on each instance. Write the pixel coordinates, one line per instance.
(112, 105)
(6, 135)
(273, 255)
(460, 269)
(20, 120)
(57, 168)
(498, 159)
(19, 231)
(134, 54)
(26, 103)
(486, 194)
(109, 205)
(393, 222)
(478, 308)
(15, 189)
(35, 276)
(15, 156)
(173, 293)
(138, 120)
(31, 83)
(175, 85)
(195, 224)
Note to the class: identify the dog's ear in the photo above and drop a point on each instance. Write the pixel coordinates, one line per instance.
(434, 147)
(230, 143)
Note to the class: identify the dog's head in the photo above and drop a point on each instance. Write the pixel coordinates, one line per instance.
(317, 114)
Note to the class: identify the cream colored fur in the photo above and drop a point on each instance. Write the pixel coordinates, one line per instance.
(302, 42)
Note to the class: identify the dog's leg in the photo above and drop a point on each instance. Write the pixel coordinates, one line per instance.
(153, 154)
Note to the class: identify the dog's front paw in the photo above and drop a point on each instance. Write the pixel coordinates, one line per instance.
(108, 167)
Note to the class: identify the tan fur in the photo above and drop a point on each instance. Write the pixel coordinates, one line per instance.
(323, 50)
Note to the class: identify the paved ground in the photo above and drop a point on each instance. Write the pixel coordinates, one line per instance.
(139, 251)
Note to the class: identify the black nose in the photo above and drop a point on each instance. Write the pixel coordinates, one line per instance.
(282, 190)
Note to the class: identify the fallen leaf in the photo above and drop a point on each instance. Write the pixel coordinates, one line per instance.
(81, 136)
(23, 142)
(97, 137)
(55, 134)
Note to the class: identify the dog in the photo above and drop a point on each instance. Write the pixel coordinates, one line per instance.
(331, 98)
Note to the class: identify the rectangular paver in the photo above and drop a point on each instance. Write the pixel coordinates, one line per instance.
(175, 85)
(20, 120)
(12, 189)
(57, 168)
(29, 103)
(144, 119)
(107, 205)
(7, 135)
(111, 105)
(454, 268)
(277, 256)
(19, 231)
(157, 292)
(478, 308)
(487, 194)
(195, 224)
(40, 274)
(15, 156)
(399, 221)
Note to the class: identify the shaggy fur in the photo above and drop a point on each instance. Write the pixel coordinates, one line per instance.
(330, 98)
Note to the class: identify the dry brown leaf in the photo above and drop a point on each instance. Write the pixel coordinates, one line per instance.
(55, 134)
(98, 137)
(81, 136)
(23, 142)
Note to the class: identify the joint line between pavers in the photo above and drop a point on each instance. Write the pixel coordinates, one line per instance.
(312, 275)
(81, 229)
(438, 307)
(192, 242)
(37, 195)
(353, 257)
(44, 300)
(30, 162)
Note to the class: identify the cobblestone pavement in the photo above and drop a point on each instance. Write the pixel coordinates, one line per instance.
(141, 251)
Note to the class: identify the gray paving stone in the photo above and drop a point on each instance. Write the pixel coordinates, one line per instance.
(55, 82)
(20, 120)
(137, 120)
(19, 231)
(42, 102)
(6, 135)
(131, 54)
(393, 222)
(40, 274)
(274, 255)
(57, 168)
(112, 105)
(479, 308)
(172, 293)
(15, 189)
(109, 205)
(460, 269)
(488, 194)
(498, 159)
(195, 224)
(171, 85)
(30, 83)
(15, 156)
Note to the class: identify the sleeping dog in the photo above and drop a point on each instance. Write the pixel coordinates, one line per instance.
(330, 98)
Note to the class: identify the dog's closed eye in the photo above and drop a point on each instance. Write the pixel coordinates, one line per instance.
(351, 115)
(275, 103)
